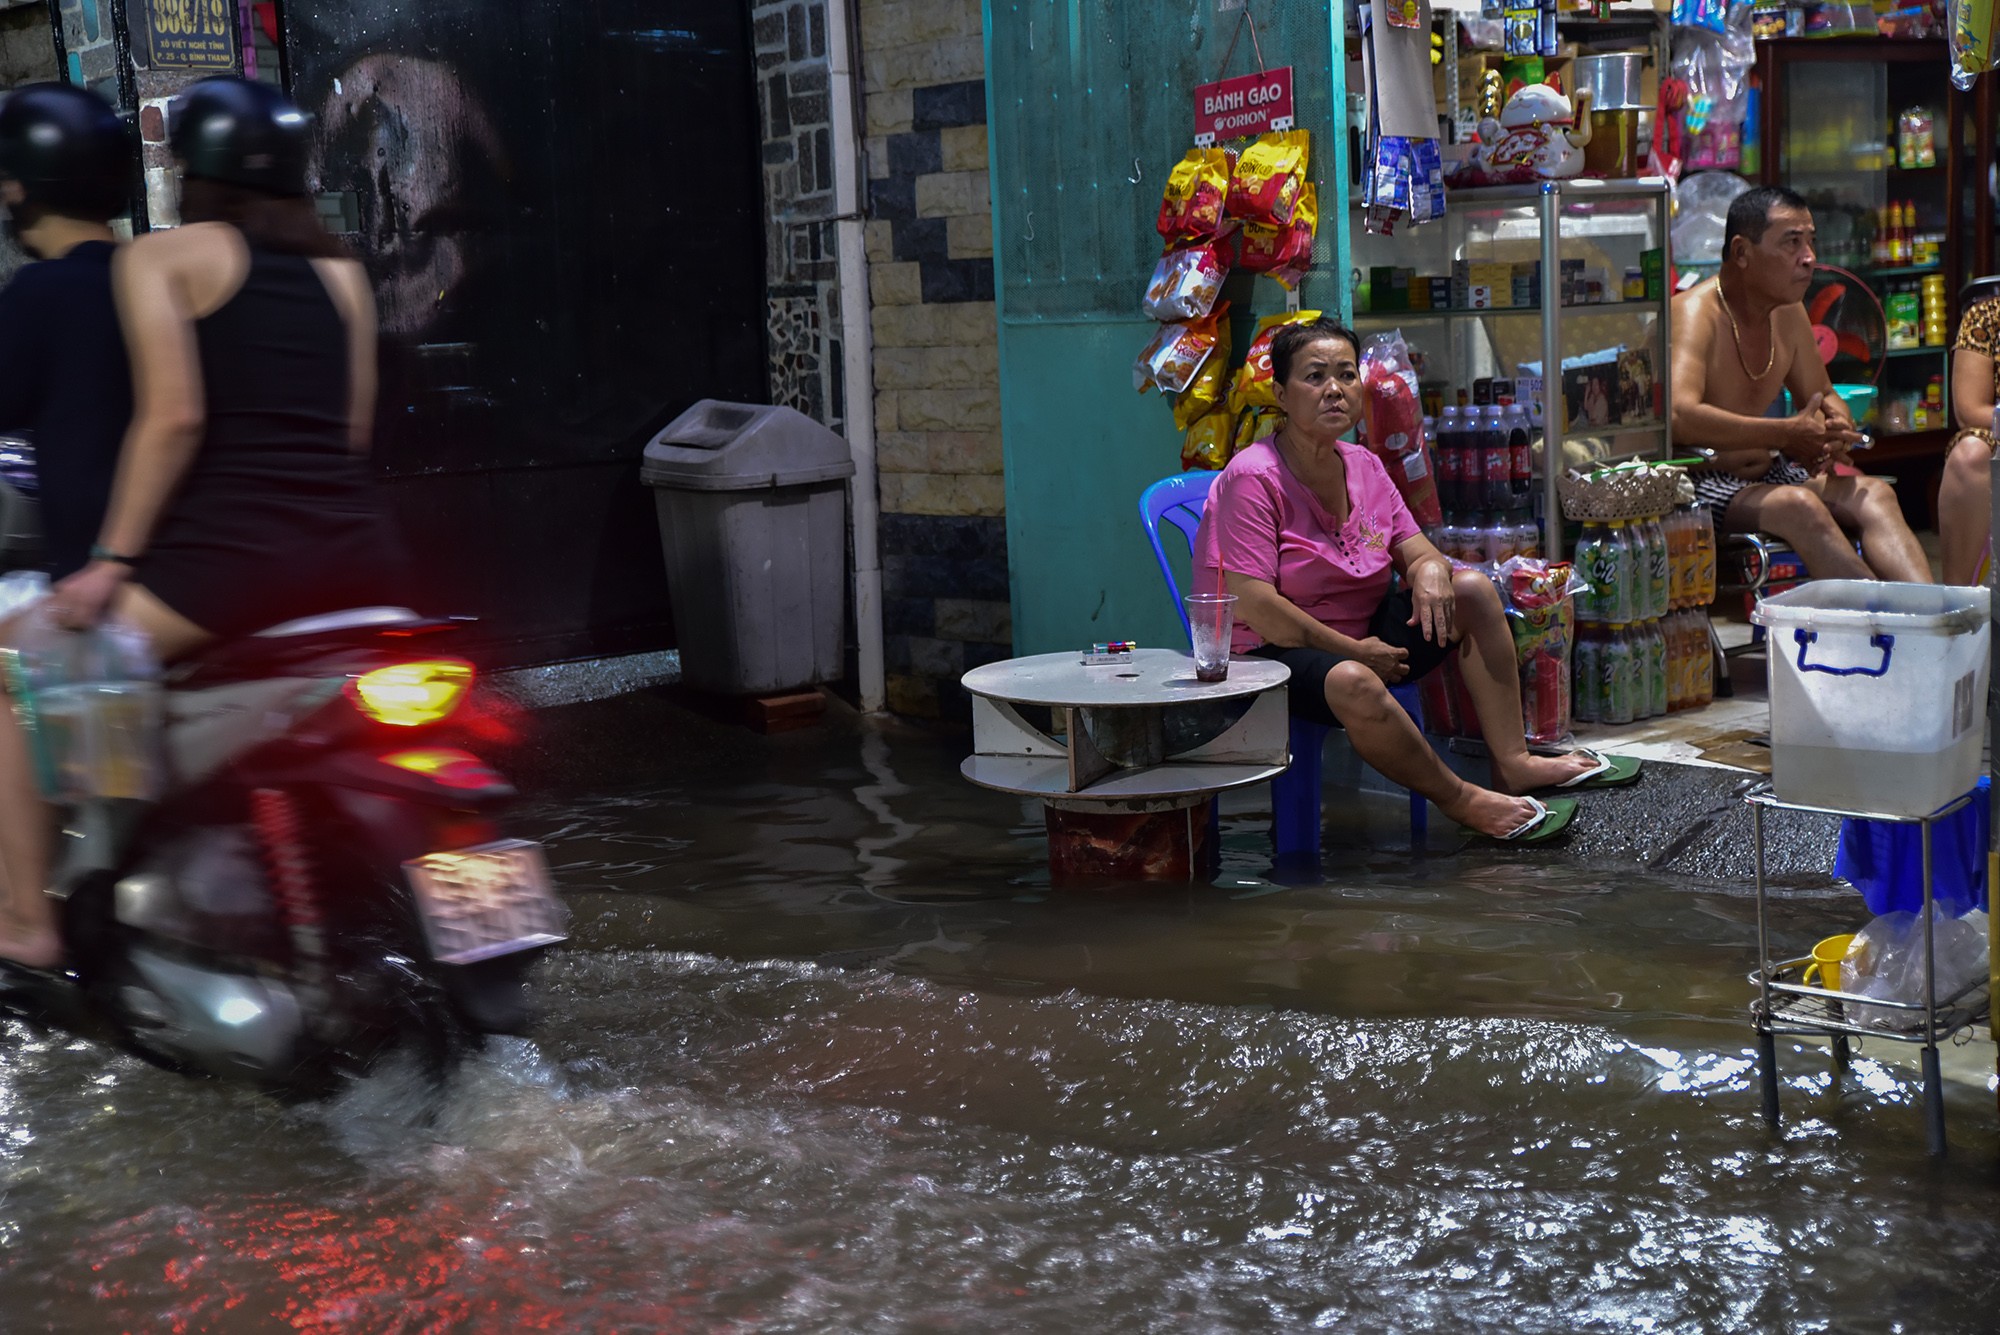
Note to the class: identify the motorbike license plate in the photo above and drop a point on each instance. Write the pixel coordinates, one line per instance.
(491, 900)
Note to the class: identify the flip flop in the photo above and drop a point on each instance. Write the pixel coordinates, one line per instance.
(1551, 818)
(1608, 772)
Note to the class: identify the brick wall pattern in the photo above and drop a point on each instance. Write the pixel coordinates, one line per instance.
(937, 378)
(802, 272)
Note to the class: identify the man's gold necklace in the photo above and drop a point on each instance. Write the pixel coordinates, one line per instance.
(1737, 334)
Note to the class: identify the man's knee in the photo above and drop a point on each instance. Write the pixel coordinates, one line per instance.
(1876, 498)
(1790, 510)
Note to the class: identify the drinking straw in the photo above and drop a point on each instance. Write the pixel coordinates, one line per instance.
(1221, 591)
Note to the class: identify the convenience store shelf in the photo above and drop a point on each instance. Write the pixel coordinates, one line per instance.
(1462, 312)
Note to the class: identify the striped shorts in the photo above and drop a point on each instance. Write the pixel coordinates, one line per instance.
(1714, 490)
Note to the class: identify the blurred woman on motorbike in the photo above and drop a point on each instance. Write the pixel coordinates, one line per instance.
(243, 496)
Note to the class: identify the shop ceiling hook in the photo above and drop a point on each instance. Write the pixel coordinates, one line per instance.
(1029, 234)
(1138, 172)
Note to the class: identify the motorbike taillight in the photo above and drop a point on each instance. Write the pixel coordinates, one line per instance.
(410, 695)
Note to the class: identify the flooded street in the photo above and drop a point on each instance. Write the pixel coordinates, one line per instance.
(827, 1053)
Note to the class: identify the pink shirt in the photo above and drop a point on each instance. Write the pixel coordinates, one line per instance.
(1262, 521)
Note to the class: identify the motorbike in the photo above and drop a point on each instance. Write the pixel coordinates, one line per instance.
(323, 873)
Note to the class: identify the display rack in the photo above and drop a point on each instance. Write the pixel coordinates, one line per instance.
(1787, 1004)
(1547, 221)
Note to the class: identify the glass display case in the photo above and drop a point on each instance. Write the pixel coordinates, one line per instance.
(1514, 279)
(1863, 127)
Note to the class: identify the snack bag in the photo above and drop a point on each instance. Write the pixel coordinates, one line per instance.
(1254, 426)
(1186, 283)
(1176, 353)
(1541, 613)
(1210, 441)
(1295, 255)
(1393, 424)
(1253, 388)
(1191, 206)
(1269, 178)
(1210, 386)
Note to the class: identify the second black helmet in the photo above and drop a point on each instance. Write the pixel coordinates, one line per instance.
(68, 149)
(241, 133)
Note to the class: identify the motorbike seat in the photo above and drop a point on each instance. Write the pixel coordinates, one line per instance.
(294, 643)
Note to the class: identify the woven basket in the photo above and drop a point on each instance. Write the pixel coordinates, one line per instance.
(1630, 492)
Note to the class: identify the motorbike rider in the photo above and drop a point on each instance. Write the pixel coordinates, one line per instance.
(243, 496)
(66, 170)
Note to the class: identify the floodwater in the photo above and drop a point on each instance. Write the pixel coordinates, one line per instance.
(827, 1054)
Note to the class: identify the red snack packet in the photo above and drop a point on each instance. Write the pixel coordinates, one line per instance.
(1393, 425)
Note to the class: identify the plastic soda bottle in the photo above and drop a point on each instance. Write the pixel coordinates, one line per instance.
(1680, 554)
(1521, 456)
(1450, 463)
(1704, 660)
(1587, 690)
(1658, 604)
(1616, 674)
(1675, 626)
(1656, 670)
(1496, 461)
(1619, 604)
(1704, 556)
(1589, 560)
(1528, 537)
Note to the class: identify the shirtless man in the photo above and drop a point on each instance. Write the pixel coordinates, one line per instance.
(1739, 338)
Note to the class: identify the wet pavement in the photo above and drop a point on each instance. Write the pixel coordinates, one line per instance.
(828, 1053)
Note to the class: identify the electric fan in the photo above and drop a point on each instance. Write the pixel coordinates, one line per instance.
(1848, 325)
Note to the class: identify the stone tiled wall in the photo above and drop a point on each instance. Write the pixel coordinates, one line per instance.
(802, 273)
(92, 55)
(937, 381)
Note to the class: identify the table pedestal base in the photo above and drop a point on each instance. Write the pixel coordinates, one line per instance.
(1140, 841)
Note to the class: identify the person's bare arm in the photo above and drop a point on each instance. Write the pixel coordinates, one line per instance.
(168, 402)
(1737, 440)
(1428, 573)
(347, 282)
(1823, 429)
(1972, 388)
(1280, 621)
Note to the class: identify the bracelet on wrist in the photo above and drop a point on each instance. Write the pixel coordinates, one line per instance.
(99, 552)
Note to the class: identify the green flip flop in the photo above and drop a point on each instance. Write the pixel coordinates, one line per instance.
(1608, 772)
(1551, 818)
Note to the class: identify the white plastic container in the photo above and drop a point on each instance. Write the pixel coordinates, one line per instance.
(1878, 693)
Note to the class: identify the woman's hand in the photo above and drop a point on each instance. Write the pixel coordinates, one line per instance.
(1435, 607)
(1383, 659)
(80, 602)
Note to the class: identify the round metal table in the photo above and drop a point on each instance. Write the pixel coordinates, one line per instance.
(1117, 803)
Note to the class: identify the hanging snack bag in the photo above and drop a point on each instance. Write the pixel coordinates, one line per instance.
(1186, 282)
(1393, 424)
(1269, 177)
(1295, 256)
(1210, 387)
(1210, 441)
(1191, 207)
(1255, 425)
(1253, 388)
(1171, 361)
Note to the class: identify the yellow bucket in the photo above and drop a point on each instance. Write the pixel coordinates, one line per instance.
(1827, 956)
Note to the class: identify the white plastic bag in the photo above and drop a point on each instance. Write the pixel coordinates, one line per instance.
(1886, 962)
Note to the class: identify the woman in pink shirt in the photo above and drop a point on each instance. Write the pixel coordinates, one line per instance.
(1310, 532)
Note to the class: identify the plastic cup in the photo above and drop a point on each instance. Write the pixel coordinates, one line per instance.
(1211, 618)
(1828, 956)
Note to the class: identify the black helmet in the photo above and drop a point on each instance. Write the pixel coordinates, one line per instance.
(68, 149)
(241, 133)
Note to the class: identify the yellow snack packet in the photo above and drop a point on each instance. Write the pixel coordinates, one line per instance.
(1253, 388)
(1269, 177)
(1210, 440)
(1210, 385)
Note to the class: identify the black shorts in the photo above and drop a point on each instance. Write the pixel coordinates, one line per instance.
(1306, 691)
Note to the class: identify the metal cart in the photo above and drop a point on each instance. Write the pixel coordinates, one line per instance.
(1787, 1004)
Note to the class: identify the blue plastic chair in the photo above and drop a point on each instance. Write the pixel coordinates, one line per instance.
(1295, 794)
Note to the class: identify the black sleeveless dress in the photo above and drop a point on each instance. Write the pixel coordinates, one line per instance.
(277, 517)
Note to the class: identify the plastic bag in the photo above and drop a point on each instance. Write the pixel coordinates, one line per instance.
(1393, 424)
(1541, 612)
(1886, 962)
(1884, 860)
(1186, 283)
(1210, 441)
(1171, 361)
(91, 705)
(1975, 40)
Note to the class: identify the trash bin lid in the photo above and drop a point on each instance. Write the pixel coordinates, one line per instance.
(719, 446)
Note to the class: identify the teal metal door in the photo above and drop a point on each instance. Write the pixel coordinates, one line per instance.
(1090, 103)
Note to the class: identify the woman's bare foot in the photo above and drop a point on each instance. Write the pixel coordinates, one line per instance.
(1528, 772)
(37, 948)
(1488, 812)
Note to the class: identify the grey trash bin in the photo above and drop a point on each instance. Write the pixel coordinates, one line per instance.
(753, 521)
